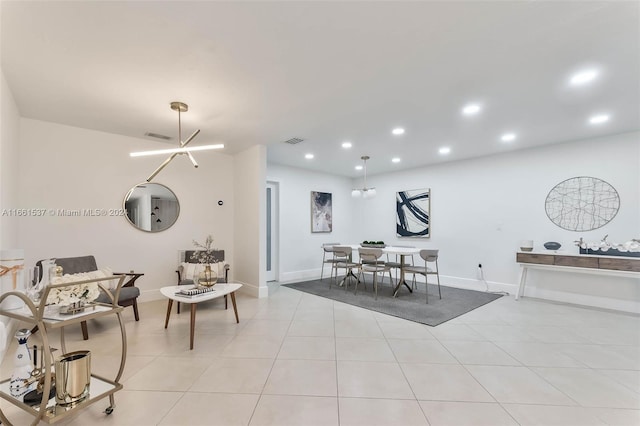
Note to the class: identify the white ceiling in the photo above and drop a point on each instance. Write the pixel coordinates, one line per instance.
(263, 72)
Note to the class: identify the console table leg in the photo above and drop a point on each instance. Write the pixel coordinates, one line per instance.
(523, 278)
(193, 323)
(166, 321)
(235, 308)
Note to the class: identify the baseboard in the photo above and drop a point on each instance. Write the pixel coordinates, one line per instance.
(306, 275)
(584, 300)
(254, 290)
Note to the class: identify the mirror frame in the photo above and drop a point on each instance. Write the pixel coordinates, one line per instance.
(126, 197)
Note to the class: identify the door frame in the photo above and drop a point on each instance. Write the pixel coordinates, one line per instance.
(274, 274)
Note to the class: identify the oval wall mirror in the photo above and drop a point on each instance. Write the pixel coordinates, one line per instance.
(151, 207)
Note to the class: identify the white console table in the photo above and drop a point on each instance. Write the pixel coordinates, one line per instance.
(582, 263)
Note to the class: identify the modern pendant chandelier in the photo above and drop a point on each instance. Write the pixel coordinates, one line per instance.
(364, 192)
(182, 149)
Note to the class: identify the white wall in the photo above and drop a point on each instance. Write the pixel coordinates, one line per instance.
(250, 220)
(300, 253)
(9, 143)
(64, 167)
(481, 209)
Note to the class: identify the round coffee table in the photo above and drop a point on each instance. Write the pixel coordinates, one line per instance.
(219, 290)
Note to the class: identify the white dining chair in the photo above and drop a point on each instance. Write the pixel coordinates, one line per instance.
(328, 257)
(429, 256)
(370, 262)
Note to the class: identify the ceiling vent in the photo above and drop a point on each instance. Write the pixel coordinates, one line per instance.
(294, 141)
(158, 136)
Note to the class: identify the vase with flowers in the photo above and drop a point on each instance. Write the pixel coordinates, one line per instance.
(205, 255)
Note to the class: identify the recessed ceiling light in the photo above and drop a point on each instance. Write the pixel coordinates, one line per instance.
(599, 119)
(398, 131)
(395, 160)
(583, 77)
(358, 167)
(346, 145)
(471, 109)
(444, 150)
(308, 156)
(508, 137)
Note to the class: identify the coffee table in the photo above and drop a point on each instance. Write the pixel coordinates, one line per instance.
(219, 290)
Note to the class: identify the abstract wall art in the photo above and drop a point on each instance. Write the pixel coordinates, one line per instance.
(582, 203)
(321, 214)
(413, 213)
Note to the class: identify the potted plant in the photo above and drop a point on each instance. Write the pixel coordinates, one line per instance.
(375, 244)
(205, 255)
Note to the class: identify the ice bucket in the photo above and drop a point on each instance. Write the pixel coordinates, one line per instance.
(73, 376)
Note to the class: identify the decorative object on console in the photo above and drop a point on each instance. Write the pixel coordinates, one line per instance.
(364, 192)
(582, 203)
(630, 248)
(552, 245)
(526, 245)
(413, 216)
(180, 107)
(321, 212)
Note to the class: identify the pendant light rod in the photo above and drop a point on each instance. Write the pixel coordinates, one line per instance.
(180, 107)
(364, 192)
(364, 158)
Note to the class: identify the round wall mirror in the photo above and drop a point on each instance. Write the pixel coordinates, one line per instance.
(151, 207)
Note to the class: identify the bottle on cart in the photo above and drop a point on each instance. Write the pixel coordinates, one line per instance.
(22, 366)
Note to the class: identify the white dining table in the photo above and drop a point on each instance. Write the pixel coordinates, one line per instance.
(403, 252)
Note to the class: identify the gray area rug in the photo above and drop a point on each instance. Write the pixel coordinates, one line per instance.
(410, 306)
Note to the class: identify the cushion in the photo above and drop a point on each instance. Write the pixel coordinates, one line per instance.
(126, 293)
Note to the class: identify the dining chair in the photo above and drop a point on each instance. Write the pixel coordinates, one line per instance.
(344, 260)
(370, 262)
(327, 250)
(429, 256)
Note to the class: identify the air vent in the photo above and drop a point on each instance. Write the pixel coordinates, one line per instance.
(158, 136)
(294, 141)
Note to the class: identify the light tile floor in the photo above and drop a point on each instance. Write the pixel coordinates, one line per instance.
(298, 359)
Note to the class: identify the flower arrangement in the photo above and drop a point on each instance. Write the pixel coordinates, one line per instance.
(70, 294)
(205, 253)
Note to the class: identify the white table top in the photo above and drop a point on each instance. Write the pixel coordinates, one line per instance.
(219, 290)
(389, 249)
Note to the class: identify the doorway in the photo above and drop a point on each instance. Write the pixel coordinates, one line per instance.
(272, 231)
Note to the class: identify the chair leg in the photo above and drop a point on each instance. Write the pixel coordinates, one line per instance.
(225, 302)
(322, 268)
(375, 283)
(426, 283)
(438, 278)
(85, 331)
(178, 307)
(135, 310)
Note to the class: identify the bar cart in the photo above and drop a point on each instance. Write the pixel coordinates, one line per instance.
(46, 318)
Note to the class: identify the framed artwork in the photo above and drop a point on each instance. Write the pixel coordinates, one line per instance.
(582, 203)
(413, 213)
(321, 215)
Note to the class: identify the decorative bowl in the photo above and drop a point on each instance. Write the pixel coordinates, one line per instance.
(552, 245)
(526, 248)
